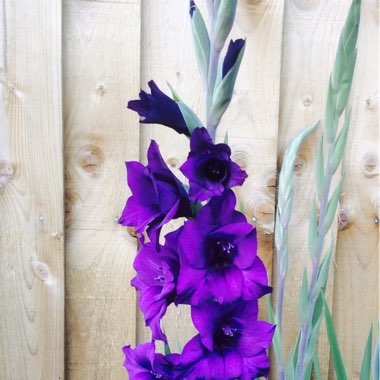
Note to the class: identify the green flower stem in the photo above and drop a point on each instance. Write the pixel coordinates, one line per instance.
(314, 288)
(213, 69)
(212, 73)
(339, 90)
(283, 212)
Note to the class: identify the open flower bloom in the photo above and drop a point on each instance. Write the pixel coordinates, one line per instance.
(142, 363)
(231, 343)
(157, 195)
(218, 256)
(158, 108)
(209, 167)
(156, 278)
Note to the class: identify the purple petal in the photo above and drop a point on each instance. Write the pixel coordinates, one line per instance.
(200, 140)
(247, 251)
(158, 108)
(225, 285)
(238, 175)
(255, 280)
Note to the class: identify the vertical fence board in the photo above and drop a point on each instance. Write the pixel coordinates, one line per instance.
(101, 66)
(31, 191)
(311, 33)
(356, 290)
(252, 119)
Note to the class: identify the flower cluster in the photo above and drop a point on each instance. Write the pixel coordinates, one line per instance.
(209, 263)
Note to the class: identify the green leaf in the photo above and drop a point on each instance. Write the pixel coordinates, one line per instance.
(201, 43)
(167, 349)
(175, 95)
(330, 118)
(332, 206)
(324, 268)
(271, 315)
(340, 144)
(341, 77)
(313, 230)
(376, 359)
(339, 367)
(223, 23)
(223, 93)
(290, 371)
(365, 370)
(277, 344)
(312, 343)
(317, 366)
(304, 299)
(191, 119)
(226, 138)
(320, 177)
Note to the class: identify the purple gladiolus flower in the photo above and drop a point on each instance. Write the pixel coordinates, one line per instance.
(158, 108)
(157, 273)
(231, 343)
(142, 363)
(234, 49)
(209, 167)
(157, 195)
(218, 256)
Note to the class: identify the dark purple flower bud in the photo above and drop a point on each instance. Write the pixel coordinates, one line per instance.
(209, 167)
(142, 363)
(234, 49)
(192, 7)
(157, 195)
(231, 343)
(218, 255)
(156, 279)
(158, 108)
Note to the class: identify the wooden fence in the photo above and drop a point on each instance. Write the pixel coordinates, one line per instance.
(67, 70)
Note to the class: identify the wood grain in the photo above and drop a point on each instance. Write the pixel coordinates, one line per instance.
(31, 191)
(101, 72)
(356, 287)
(311, 33)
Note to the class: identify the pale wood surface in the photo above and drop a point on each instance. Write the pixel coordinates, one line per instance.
(311, 33)
(356, 288)
(101, 72)
(294, 47)
(31, 191)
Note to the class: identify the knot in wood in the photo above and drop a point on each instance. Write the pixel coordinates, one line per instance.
(343, 220)
(370, 165)
(173, 162)
(299, 163)
(42, 271)
(6, 173)
(307, 101)
(90, 159)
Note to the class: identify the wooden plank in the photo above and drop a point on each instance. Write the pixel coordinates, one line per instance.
(311, 33)
(356, 288)
(31, 191)
(252, 119)
(101, 72)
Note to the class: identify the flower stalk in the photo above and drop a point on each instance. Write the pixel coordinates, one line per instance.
(334, 144)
